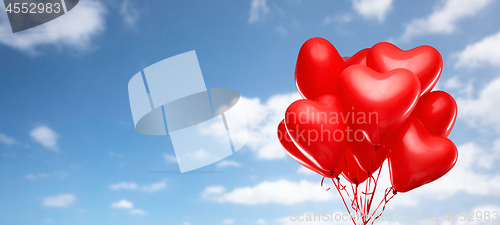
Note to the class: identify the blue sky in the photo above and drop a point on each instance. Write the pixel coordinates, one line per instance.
(69, 153)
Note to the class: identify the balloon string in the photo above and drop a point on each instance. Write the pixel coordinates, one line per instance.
(367, 204)
(355, 194)
(385, 201)
(370, 177)
(354, 204)
(359, 203)
(344, 188)
(338, 189)
(369, 183)
(362, 200)
(322, 185)
(374, 189)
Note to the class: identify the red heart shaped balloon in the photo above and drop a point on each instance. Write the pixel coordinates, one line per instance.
(424, 61)
(317, 132)
(318, 68)
(357, 59)
(369, 157)
(380, 102)
(297, 155)
(418, 157)
(437, 111)
(351, 170)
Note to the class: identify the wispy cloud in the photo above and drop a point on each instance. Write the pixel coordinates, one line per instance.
(339, 19)
(372, 9)
(305, 171)
(258, 11)
(129, 13)
(262, 119)
(469, 176)
(445, 17)
(227, 163)
(153, 187)
(114, 154)
(277, 192)
(139, 212)
(63, 200)
(46, 137)
(483, 52)
(124, 204)
(261, 222)
(4, 139)
(75, 30)
(39, 176)
(464, 88)
(281, 30)
(169, 158)
(482, 111)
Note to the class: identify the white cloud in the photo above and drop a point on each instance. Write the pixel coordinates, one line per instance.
(122, 204)
(474, 174)
(445, 17)
(169, 158)
(454, 83)
(278, 192)
(258, 11)
(201, 154)
(129, 13)
(259, 131)
(139, 212)
(63, 200)
(462, 179)
(114, 154)
(228, 163)
(39, 176)
(153, 187)
(481, 219)
(261, 222)
(6, 139)
(213, 190)
(484, 52)
(305, 171)
(74, 29)
(263, 119)
(123, 186)
(370, 9)
(281, 30)
(228, 221)
(46, 137)
(496, 148)
(483, 110)
(343, 18)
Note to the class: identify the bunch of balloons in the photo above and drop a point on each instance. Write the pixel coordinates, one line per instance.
(358, 111)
